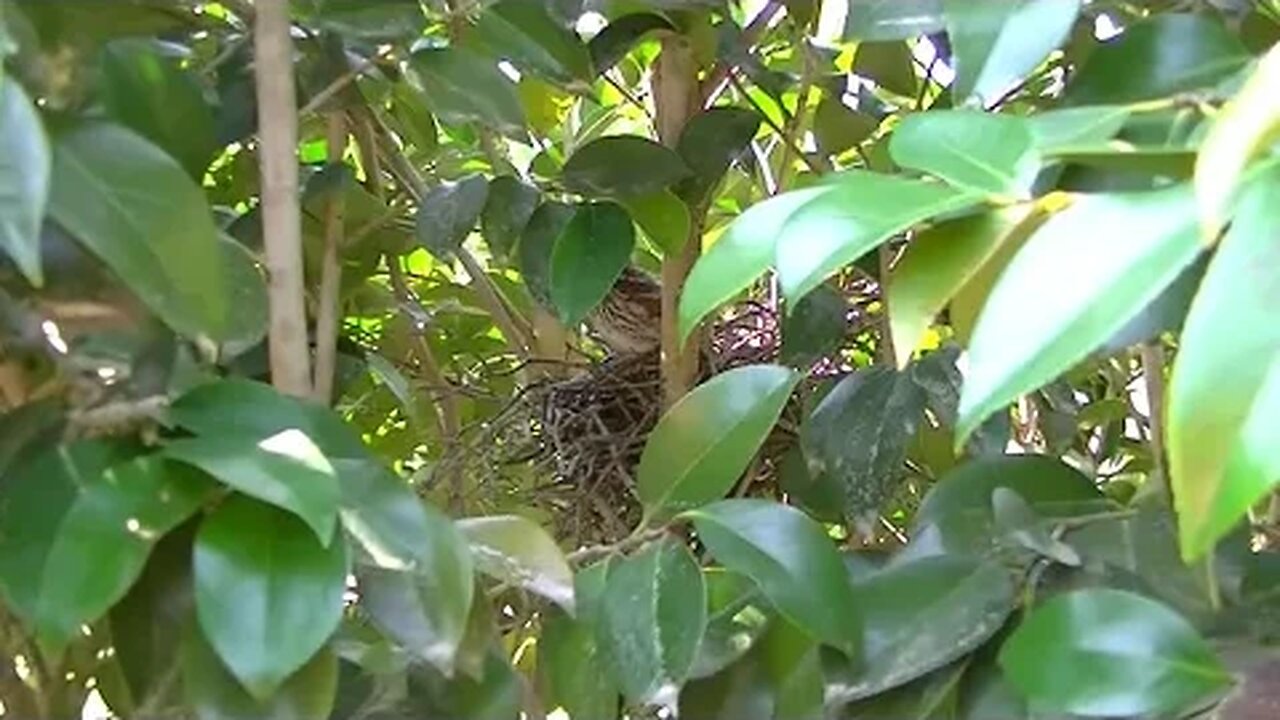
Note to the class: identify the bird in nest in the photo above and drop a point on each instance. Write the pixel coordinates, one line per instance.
(629, 319)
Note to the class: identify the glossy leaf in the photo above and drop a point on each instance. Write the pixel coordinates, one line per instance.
(1147, 238)
(134, 208)
(663, 217)
(537, 243)
(1105, 653)
(286, 470)
(618, 37)
(510, 205)
(838, 127)
(25, 166)
(464, 86)
(1225, 390)
(651, 618)
(1074, 127)
(526, 34)
(622, 165)
(1021, 524)
(709, 143)
(892, 19)
(996, 44)
(702, 445)
(246, 319)
(736, 619)
(588, 257)
(516, 550)
(570, 665)
(449, 213)
(792, 560)
(974, 150)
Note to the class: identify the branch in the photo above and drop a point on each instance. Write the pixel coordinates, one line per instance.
(342, 81)
(715, 81)
(1152, 355)
(327, 310)
(281, 220)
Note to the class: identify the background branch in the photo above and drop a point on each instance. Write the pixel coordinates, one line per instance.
(328, 310)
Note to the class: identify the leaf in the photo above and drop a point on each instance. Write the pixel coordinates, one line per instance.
(527, 35)
(570, 666)
(617, 38)
(510, 205)
(1146, 238)
(652, 616)
(792, 560)
(1020, 523)
(285, 469)
(709, 143)
(922, 615)
(25, 166)
(621, 165)
(1225, 390)
(815, 328)
(246, 319)
(781, 677)
(156, 97)
(448, 214)
(215, 694)
(971, 150)
(995, 44)
(1242, 130)
(889, 64)
(103, 542)
(268, 596)
(413, 120)
(851, 218)
(517, 551)
(1164, 55)
(385, 20)
(892, 19)
(134, 208)
(837, 127)
(465, 87)
(495, 694)
(588, 257)
(537, 242)
(734, 621)
(1104, 652)
(739, 257)
(1074, 127)
(702, 445)
(663, 217)
(416, 611)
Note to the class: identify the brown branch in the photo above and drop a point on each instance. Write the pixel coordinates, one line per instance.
(1152, 356)
(341, 82)
(888, 356)
(328, 311)
(281, 217)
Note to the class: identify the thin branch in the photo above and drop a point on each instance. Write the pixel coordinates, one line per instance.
(341, 82)
(328, 311)
(281, 217)
(809, 160)
(715, 82)
(1152, 356)
(887, 354)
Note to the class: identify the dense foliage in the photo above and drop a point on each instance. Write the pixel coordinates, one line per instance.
(957, 397)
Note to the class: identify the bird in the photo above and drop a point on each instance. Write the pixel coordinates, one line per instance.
(629, 319)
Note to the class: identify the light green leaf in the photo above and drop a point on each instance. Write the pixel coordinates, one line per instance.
(651, 618)
(663, 217)
(516, 550)
(1225, 389)
(285, 469)
(888, 64)
(892, 19)
(792, 560)
(24, 179)
(621, 165)
(1078, 126)
(465, 86)
(268, 596)
(969, 149)
(995, 44)
(1109, 653)
(526, 34)
(449, 213)
(701, 446)
(1017, 346)
(132, 206)
(1243, 129)
(588, 257)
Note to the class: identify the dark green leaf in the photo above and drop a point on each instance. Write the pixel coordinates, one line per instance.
(735, 621)
(996, 44)
(791, 559)
(701, 446)
(465, 86)
(136, 210)
(537, 242)
(888, 64)
(974, 150)
(383, 20)
(526, 34)
(837, 127)
(1021, 524)
(495, 694)
(517, 551)
(588, 257)
(1106, 653)
(622, 165)
(709, 143)
(412, 118)
(510, 205)
(663, 217)
(815, 328)
(618, 37)
(569, 661)
(24, 179)
(247, 313)
(818, 495)
(892, 19)
(449, 213)
(268, 596)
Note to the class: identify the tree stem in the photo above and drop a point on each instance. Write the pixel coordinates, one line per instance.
(1152, 355)
(328, 312)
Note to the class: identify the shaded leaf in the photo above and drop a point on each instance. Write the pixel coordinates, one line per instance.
(516, 550)
(510, 205)
(589, 255)
(25, 166)
(837, 127)
(709, 143)
(465, 86)
(622, 165)
(996, 44)
(246, 309)
(526, 34)
(889, 64)
(448, 214)
(815, 328)
(569, 660)
(969, 149)
(663, 217)
(618, 37)
(892, 19)
(537, 242)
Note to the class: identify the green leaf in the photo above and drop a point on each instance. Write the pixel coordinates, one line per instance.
(781, 677)
(735, 621)
(570, 666)
(384, 20)
(246, 310)
(517, 551)
(510, 205)
(588, 257)
(1225, 389)
(1245, 127)
(889, 64)
(156, 97)
(134, 208)
(969, 149)
(892, 19)
(465, 86)
(25, 166)
(527, 35)
(837, 127)
(1146, 238)
(1175, 162)
(103, 542)
(663, 217)
(652, 616)
(792, 560)
(617, 38)
(621, 165)
(702, 445)
(494, 694)
(1105, 652)
(858, 212)
(815, 328)
(448, 214)
(285, 469)
(268, 596)
(412, 118)
(1021, 524)
(709, 143)
(1074, 127)
(537, 243)
(995, 44)
(214, 693)
(739, 257)
(1164, 55)
(923, 614)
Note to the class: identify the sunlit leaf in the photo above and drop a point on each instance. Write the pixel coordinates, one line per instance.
(969, 149)
(995, 44)
(530, 37)
(465, 86)
(516, 550)
(589, 255)
(24, 179)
